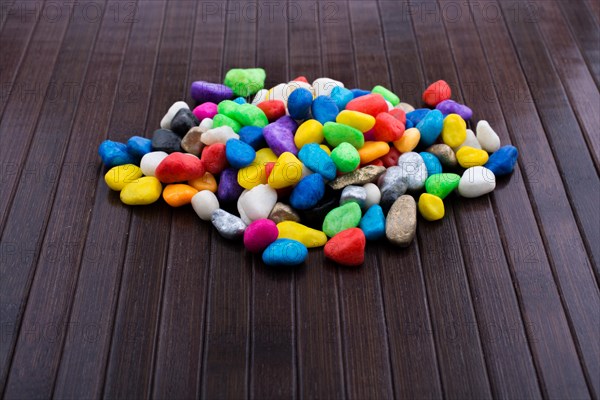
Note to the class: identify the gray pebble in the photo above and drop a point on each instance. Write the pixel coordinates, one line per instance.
(401, 221)
(392, 186)
(367, 174)
(282, 212)
(358, 194)
(228, 225)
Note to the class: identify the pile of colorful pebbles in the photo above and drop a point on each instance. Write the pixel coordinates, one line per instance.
(309, 165)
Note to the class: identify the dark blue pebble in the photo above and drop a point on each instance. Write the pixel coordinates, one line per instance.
(285, 253)
(341, 96)
(239, 154)
(359, 92)
(115, 153)
(139, 146)
(416, 116)
(229, 188)
(308, 192)
(314, 216)
(373, 223)
(432, 163)
(324, 109)
(503, 161)
(299, 103)
(409, 124)
(253, 135)
(166, 140)
(317, 160)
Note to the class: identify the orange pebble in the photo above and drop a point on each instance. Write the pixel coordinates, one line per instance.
(205, 182)
(179, 194)
(408, 141)
(301, 79)
(372, 151)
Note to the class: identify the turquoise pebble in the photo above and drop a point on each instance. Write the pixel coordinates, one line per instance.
(341, 96)
(503, 161)
(317, 160)
(373, 223)
(324, 109)
(299, 103)
(139, 146)
(431, 127)
(240, 100)
(432, 163)
(308, 192)
(114, 154)
(253, 135)
(285, 253)
(239, 154)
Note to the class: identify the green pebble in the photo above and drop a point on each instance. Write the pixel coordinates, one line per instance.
(228, 108)
(338, 133)
(224, 120)
(441, 185)
(387, 94)
(345, 157)
(245, 82)
(250, 115)
(342, 218)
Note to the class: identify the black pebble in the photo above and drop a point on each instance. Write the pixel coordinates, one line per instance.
(314, 217)
(183, 121)
(166, 140)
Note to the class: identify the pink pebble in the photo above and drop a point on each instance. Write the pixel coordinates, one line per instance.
(260, 234)
(205, 110)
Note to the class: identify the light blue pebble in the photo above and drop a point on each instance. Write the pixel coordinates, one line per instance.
(432, 163)
(317, 160)
(239, 154)
(240, 100)
(138, 146)
(324, 109)
(503, 161)
(115, 153)
(417, 115)
(285, 253)
(253, 135)
(299, 103)
(308, 192)
(341, 96)
(373, 223)
(359, 92)
(431, 127)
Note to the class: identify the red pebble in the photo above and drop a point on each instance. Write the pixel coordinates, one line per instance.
(372, 104)
(436, 93)
(387, 128)
(273, 109)
(268, 168)
(399, 114)
(179, 167)
(378, 162)
(214, 158)
(391, 158)
(301, 79)
(347, 247)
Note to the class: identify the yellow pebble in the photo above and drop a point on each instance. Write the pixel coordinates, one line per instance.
(206, 182)
(454, 132)
(311, 131)
(431, 207)
(255, 173)
(286, 172)
(303, 234)
(471, 157)
(372, 151)
(178, 194)
(145, 190)
(325, 149)
(408, 141)
(117, 177)
(361, 121)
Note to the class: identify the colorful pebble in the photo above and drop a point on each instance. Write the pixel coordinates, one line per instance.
(309, 237)
(285, 253)
(347, 248)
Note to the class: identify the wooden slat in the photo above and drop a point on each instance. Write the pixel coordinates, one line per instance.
(564, 244)
(130, 364)
(595, 7)
(318, 337)
(7, 9)
(36, 357)
(83, 362)
(225, 365)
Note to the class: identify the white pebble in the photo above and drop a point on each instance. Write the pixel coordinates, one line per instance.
(258, 202)
(470, 141)
(206, 125)
(205, 203)
(390, 105)
(241, 211)
(406, 107)
(487, 138)
(260, 96)
(218, 135)
(373, 195)
(165, 123)
(306, 171)
(280, 92)
(413, 170)
(476, 181)
(150, 161)
(324, 86)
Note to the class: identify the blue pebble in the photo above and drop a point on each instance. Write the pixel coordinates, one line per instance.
(324, 109)
(115, 153)
(308, 192)
(373, 223)
(317, 160)
(239, 154)
(416, 116)
(240, 100)
(409, 124)
(341, 96)
(285, 253)
(360, 92)
(299, 103)
(431, 127)
(503, 161)
(138, 146)
(253, 135)
(432, 163)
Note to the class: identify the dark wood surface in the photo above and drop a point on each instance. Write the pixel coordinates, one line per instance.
(500, 299)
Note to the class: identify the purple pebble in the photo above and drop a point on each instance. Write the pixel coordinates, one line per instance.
(452, 107)
(260, 234)
(280, 136)
(204, 92)
(229, 188)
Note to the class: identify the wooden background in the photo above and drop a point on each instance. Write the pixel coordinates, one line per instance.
(500, 299)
